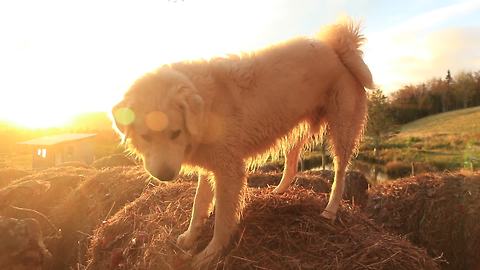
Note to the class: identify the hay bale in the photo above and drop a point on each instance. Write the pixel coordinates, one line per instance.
(44, 190)
(21, 245)
(77, 164)
(356, 185)
(278, 232)
(270, 167)
(7, 175)
(397, 169)
(90, 204)
(116, 160)
(261, 180)
(437, 211)
(36, 195)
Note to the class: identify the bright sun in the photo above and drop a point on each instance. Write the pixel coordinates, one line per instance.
(58, 64)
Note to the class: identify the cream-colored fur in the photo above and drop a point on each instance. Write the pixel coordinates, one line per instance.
(222, 114)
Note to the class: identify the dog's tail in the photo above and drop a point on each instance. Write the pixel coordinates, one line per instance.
(345, 38)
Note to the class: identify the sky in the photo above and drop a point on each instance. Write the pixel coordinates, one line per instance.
(61, 58)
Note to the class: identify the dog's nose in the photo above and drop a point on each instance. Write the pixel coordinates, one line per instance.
(166, 174)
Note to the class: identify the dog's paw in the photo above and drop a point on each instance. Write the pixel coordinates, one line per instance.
(329, 215)
(279, 190)
(208, 258)
(186, 240)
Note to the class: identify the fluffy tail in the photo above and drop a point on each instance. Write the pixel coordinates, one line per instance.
(345, 38)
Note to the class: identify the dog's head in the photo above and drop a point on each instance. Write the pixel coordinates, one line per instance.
(160, 117)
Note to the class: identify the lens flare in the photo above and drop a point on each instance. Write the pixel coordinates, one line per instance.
(156, 120)
(124, 116)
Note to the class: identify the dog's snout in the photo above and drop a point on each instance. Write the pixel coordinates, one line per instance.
(165, 174)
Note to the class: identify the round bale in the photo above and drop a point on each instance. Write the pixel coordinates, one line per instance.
(116, 160)
(88, 206)
(440, 212)
(277, 232)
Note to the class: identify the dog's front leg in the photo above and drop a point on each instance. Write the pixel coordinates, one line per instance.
(230, 183)
(202, 206)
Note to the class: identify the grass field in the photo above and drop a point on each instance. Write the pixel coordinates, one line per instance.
(466, 121)
(447, 141)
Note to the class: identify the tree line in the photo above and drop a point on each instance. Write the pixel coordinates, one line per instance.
(435, 95)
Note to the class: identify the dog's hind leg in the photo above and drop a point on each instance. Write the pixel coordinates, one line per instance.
(291, 166)
(202, 206)
(345, 122)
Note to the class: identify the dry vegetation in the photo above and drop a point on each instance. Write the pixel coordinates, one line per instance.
(277, 232)
(440, 212)
(7, 175)
(113, 161)
(356, 185)
(125, 221)
(69, 202)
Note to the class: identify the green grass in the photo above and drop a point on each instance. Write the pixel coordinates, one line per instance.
(446, 141)
(466, 121)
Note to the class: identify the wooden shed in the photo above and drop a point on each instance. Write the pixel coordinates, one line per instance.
(53, 150)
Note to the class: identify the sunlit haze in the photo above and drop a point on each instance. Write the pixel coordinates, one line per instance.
(62, 58)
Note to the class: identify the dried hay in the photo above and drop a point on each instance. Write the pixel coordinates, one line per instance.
(269, 167)
(88, 206)
(36, 195)
(356, 185)
(277, 232)
(69, 202)
(440, 212)
(7, 175)
(113, 161)
(77, 164)
(21, 245)
(44, 190)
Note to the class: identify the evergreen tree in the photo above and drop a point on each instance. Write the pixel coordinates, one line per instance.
(380, 121)
(448, 80)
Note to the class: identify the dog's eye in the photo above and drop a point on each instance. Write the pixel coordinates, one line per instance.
(175, 134)
(147, 137)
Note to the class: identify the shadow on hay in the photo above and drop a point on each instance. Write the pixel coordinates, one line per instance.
(277, 232)
(356, 185)
(440, 212)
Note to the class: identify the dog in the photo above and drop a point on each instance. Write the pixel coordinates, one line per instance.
(220, 115)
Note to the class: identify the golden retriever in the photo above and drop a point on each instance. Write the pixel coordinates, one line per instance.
(217, 115)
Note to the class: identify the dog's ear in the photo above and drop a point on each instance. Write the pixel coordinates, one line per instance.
(193, 109)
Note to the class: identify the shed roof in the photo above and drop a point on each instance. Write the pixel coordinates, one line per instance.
(56, 139)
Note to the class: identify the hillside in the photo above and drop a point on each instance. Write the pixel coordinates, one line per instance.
(465, 121)
(447, 141)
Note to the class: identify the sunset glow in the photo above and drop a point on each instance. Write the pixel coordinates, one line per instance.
(62, 58)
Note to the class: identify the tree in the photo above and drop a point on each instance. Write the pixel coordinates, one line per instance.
(380, 121)
(448, 81)
(465, 87)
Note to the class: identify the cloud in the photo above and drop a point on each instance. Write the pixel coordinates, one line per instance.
(423, 47)
(435, 17)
